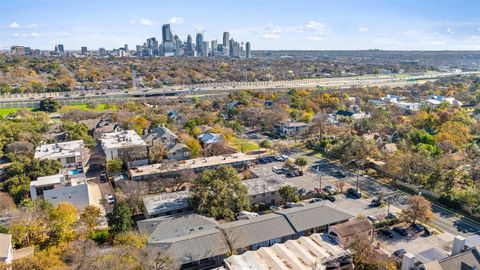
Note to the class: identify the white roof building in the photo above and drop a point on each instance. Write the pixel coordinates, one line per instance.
(114, 142)
(57, 188)
(70, 154)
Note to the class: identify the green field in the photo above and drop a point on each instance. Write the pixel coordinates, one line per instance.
(242, 144)
(100, 107)
(7, 111)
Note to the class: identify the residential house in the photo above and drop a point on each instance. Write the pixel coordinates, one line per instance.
(304, 253)
(342, 115)
(72, 154)
(204, 245)
(435, 100)
(126, 145)
(97, 127)
(208, 138)
(409, 106)
(462, 257)
(389, 148)
(346, 233)
(60, 188)
(6, 249)
(164, 136)
(265, 189)
(291, 128)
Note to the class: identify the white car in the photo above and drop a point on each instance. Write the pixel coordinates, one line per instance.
(110, 199)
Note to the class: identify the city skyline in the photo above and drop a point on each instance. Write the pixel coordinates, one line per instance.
(269, 25)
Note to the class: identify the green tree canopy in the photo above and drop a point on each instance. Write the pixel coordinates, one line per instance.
(120, 220)
(219, 193)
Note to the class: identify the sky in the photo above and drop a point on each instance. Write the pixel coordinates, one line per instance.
(267, 24)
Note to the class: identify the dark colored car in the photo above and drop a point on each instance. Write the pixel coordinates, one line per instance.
(376, 203)
(330, 198)
(339, 174)
(387, 232)
(400, 231)
(103, 177)
(391, 216)
(417, 227)
(399, 253)
(354, 193)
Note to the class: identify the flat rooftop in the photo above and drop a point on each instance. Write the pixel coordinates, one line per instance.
(265, 184)
(59, 150)
(196, 163)
(48, 180)
(121, 139)
(165, 202)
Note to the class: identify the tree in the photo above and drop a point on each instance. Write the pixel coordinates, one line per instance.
(6, 202)
(76, 131)
(418, 208)
(130, 238)
(289, 194)
(193, 145)
(49, 105)
(267, 144)
(114, 166)
(301, 162)
(120, 220)
(62, 219)
(365, 256)
(89, 218)
(219, 193)
(157, 152)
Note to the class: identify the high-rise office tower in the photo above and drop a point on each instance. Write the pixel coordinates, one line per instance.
(235, 49)
(213, 47)
(60, 48)
(189, 46)
(199, 43)
(230, 47)
(247, 50)
(166, 33)
(102, 52)
(226, 43)
(205, 48)
(152, 44)
(84, 50)
(125, 47)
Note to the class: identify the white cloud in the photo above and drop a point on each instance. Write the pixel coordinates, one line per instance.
(362, 30)
(32, 26)
(143, 22)
(13, 25)
(450, 31)
(176, 20)
(26, 35)
(16, 35)
(271, 36)
(314, 38)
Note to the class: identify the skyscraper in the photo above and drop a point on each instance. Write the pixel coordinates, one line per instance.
(60, 48)
(166, 33)
(247, 50)
(214, 47)
(84, 50)
(226, 43)
(152, 44)
(125, 47)
(199, 43)
(189, 46)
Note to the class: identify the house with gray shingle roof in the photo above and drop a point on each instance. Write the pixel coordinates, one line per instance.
(182, 239)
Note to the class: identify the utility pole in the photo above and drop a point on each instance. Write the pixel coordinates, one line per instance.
(320, 177)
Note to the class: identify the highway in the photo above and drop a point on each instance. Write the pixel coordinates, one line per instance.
(79, 97)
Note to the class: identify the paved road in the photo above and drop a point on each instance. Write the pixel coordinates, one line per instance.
(212, 88)
(445, 218)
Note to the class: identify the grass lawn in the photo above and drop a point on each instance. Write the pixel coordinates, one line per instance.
(7, 111)
(100, 107)
(242, 144)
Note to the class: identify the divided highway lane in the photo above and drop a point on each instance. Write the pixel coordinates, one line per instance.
(231, 86)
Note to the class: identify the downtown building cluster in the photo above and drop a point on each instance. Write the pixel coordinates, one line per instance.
(170, 45)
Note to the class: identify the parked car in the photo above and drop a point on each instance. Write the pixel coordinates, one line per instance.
(417, 227)
(315, 200)
(293, 174)
(391, 216)
(428, 230)
(400, 230)
(339, 174)
(276, 170)
(399, 253)
(372, 218)
(329, 189)
(103, 177)
(110, 199)
(354, 193)
(330, 198)
(294, 204)
(387, 232)
(376, 203)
